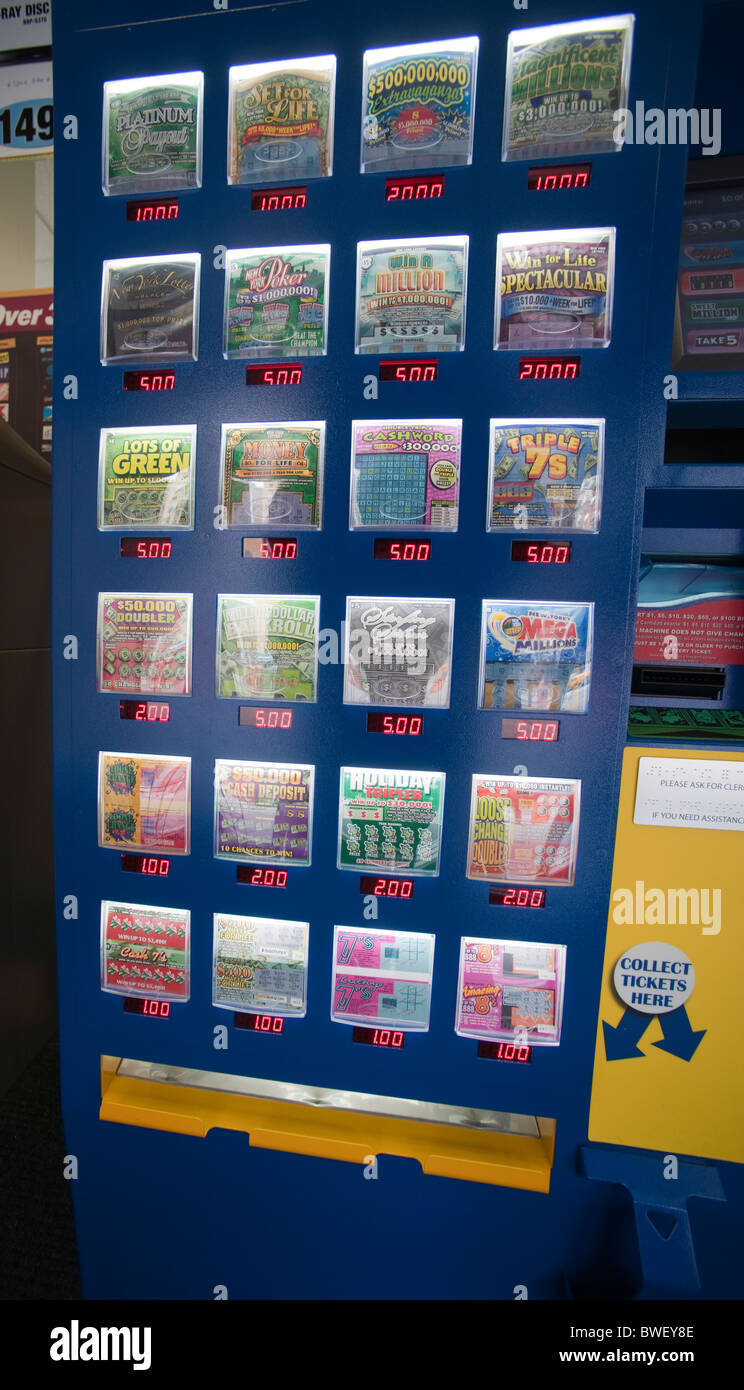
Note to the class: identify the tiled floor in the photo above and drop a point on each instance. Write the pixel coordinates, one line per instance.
(38, 1255)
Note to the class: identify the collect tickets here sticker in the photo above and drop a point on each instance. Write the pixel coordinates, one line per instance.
(691, 793)
(654, 978)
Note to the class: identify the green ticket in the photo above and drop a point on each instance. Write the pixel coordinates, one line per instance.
(152, 133)
(267, 646)
(276, 301)
(146, 478)
(272, 474)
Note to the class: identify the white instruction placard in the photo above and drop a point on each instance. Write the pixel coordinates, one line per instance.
(690, 793)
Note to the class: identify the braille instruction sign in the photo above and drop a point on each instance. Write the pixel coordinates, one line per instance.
(693, 793)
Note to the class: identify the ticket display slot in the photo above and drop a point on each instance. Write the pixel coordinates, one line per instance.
(683, 682)
(489, 1147)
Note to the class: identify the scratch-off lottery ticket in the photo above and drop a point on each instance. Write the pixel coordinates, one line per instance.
(145, 950)
(259, 965)
(144, 643)
(144, 802)
(523, 830)
(382, 977)
(263, 812)
(510, 991)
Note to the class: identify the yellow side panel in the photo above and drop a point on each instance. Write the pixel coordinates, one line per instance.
(660, 1101)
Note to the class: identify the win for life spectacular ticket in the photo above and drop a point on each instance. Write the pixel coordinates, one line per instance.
(149, 309)
(564, 83)
(523, 830)
(152, 133)
(267, 646)
(144, 644)
(411, 295)
(144, 802)
(390, 820)
(281, 120)
(276, 301)
(145, 950)
(545, 475)
(405, 473)
(418, 105)
(382, 977)
(398, 651)
(272, 474)
(536, 656)
(263, 812)
(146, 478)
(510, 991)
(259, 965)
(554, 290)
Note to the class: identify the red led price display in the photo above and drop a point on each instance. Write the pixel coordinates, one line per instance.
(541, 552)
(265, 718)
(260, 1023)
(559, 176)
(263, 878)
(401, 549)
(144, 711)
(516, 897)
(274, 374)
(395, 724)
(549, 368)
(153, 1008)
(386, 887)
(152, 210)
(263, 548)
(145, 864)
(149, 381)
(149, 548)
(403, 190)
(278, 199)
(505, 1052)
(531, 730)
(380, 1037)
(417, 369)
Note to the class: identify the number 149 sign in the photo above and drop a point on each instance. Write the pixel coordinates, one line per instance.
(26, 112)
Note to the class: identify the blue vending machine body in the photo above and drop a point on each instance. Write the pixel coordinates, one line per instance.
(170, 1214)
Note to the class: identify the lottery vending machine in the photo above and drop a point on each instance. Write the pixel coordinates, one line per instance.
(352, 328)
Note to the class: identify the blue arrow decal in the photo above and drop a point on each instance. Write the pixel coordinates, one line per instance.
(679, 1038)
(621, 1042)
